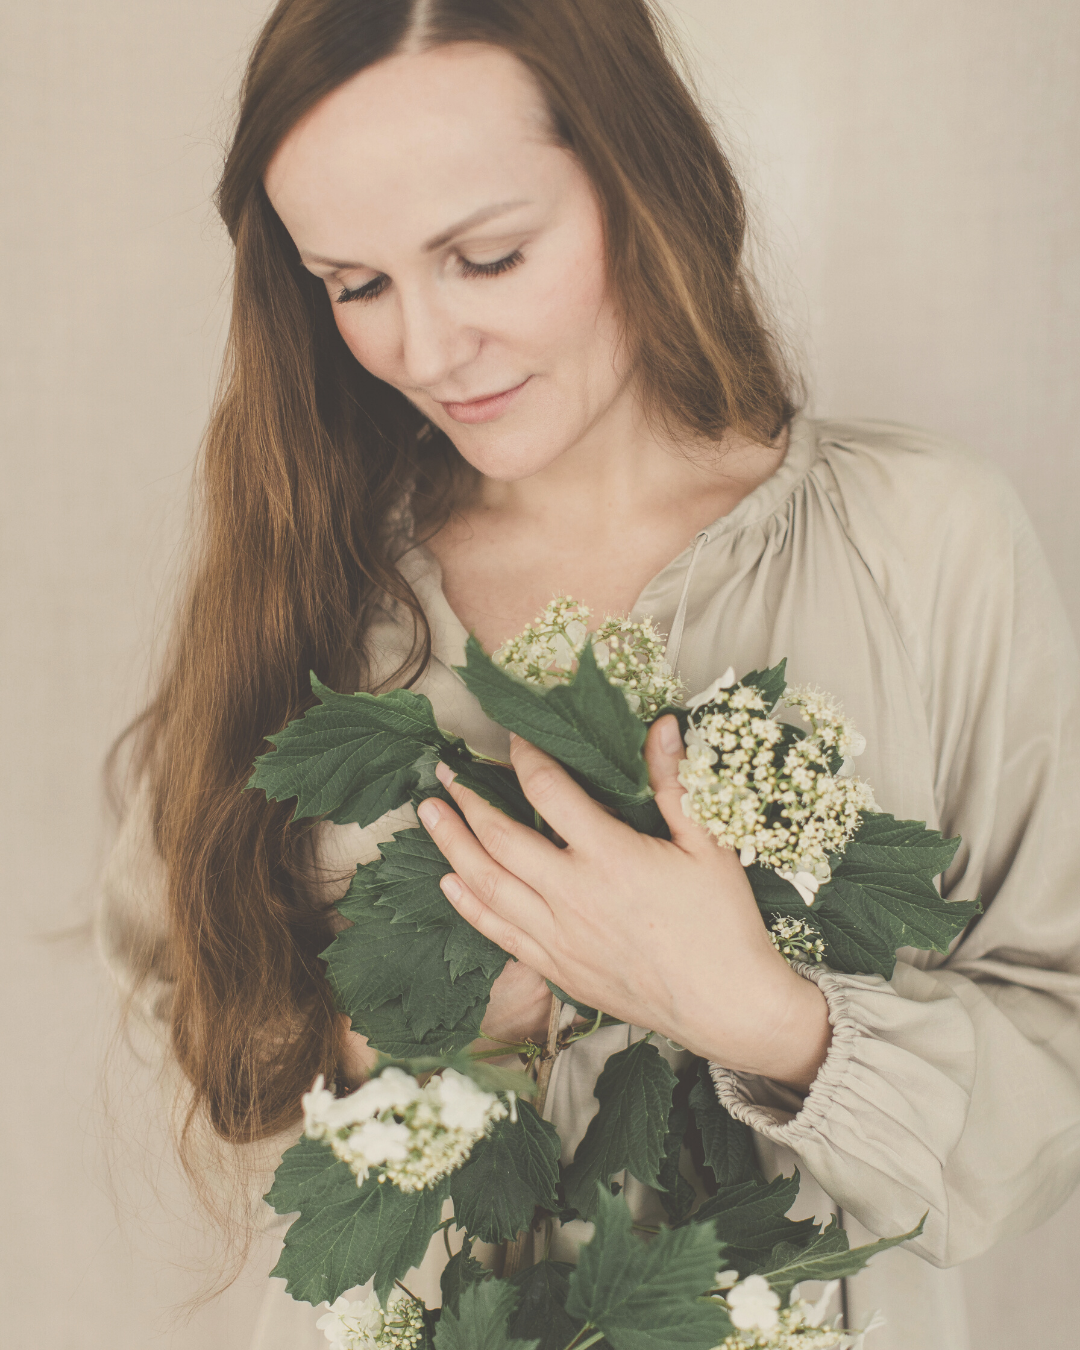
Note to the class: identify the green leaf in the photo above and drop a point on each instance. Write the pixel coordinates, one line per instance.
(770, 683)
(351, 757)
(408, 880)
(459, 1272)
(482, 1320)
(819, 1262)
(676, 1194)
(388, 1030)
(881, 896)
(634, 1091)
(728, 1143)
(514, 1168)
(647, 1296)
(829, 1240)
(542, 1314)
(376, 960)
(590, 1014)
(347, 1234)
(586, 725)
(751, 1220)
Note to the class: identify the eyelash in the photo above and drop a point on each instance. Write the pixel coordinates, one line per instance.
(371, 290)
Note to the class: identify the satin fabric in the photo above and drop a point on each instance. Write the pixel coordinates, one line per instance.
(898, 572)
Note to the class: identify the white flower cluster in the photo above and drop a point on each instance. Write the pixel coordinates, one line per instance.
(366, 1325)
(761, 1324)
(796, 940)
(631, 654)
(775, 800)
(414, 1135)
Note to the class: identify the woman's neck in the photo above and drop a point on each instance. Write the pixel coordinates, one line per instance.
(599, 523)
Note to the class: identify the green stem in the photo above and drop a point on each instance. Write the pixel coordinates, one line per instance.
(603, 1019)
(578, 1344)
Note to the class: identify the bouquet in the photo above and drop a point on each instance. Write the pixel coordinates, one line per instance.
(768, 771)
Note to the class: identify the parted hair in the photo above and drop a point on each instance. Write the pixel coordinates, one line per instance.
(307, 456)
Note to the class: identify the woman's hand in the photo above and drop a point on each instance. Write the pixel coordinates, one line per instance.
(664, 935)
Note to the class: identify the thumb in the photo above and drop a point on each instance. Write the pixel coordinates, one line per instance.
(663, 754)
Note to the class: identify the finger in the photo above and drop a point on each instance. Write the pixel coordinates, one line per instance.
(499, 889)
(564, 804)
(519, 848)
(494, 925)
(663, 753)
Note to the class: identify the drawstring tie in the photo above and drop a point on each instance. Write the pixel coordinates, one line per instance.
(674, 642)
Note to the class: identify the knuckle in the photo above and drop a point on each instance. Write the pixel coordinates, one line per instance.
(544, 784)
(486, 887)
(494, 835)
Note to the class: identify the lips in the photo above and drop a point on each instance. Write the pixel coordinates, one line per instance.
(485, 409)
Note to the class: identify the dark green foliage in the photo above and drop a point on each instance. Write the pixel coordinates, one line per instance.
(482, 1320)
(647, 1296)
(347, 1234)
(728, 1143)
(750, 1220)
(459, 1272)
(881, 896)
(676, 1193)
(827, 1259)
(510, 1172)
(629, 1131)
(586, 725)
(541, 1313)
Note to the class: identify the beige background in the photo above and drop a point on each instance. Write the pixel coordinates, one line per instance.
(915, 168)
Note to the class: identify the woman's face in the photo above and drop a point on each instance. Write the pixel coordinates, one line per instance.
(462, 251)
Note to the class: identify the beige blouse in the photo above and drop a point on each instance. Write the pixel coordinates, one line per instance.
(900, 573)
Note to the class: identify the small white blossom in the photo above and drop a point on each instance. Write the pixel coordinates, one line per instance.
(768, 790)
(630, 653)
(413, 1135)
(754, 1304)
(800, 1326)
(366, 1325)
(796, 940)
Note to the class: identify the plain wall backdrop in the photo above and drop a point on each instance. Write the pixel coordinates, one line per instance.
(913, 172)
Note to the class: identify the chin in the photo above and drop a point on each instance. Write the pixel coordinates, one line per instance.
(510, 457)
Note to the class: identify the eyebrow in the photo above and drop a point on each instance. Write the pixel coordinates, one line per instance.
(480, 217)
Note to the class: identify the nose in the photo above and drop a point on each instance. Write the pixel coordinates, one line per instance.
(435, 341)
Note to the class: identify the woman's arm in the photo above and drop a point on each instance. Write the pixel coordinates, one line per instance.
(957, 1089)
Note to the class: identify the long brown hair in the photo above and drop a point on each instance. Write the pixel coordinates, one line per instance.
(307, 456)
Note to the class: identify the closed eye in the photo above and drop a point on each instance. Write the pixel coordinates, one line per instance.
(371, 290)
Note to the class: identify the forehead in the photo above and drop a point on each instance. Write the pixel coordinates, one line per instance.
(409, 144)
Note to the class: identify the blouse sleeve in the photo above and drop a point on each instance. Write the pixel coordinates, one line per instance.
(954, 1088)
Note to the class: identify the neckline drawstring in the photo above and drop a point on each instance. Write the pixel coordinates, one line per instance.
(674, 642)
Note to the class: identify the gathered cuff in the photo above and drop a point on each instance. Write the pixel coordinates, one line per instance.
(778, 1111)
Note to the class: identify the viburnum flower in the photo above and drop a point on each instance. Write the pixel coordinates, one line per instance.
(761, 1324)
(796, 940)
(414, 1136)
(630, 653)
(777, 795)
(753, 1304)
(366, 1325)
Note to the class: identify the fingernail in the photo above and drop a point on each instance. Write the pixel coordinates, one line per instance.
(444, 773)
(514, 737)
(429, 813)
(670, 740)
(451, 886)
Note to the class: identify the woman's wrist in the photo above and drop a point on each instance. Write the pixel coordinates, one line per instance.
(787, 1043)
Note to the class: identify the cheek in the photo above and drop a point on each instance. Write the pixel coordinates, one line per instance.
(367, 339)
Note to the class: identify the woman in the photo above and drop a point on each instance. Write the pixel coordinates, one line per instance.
(492, 342)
